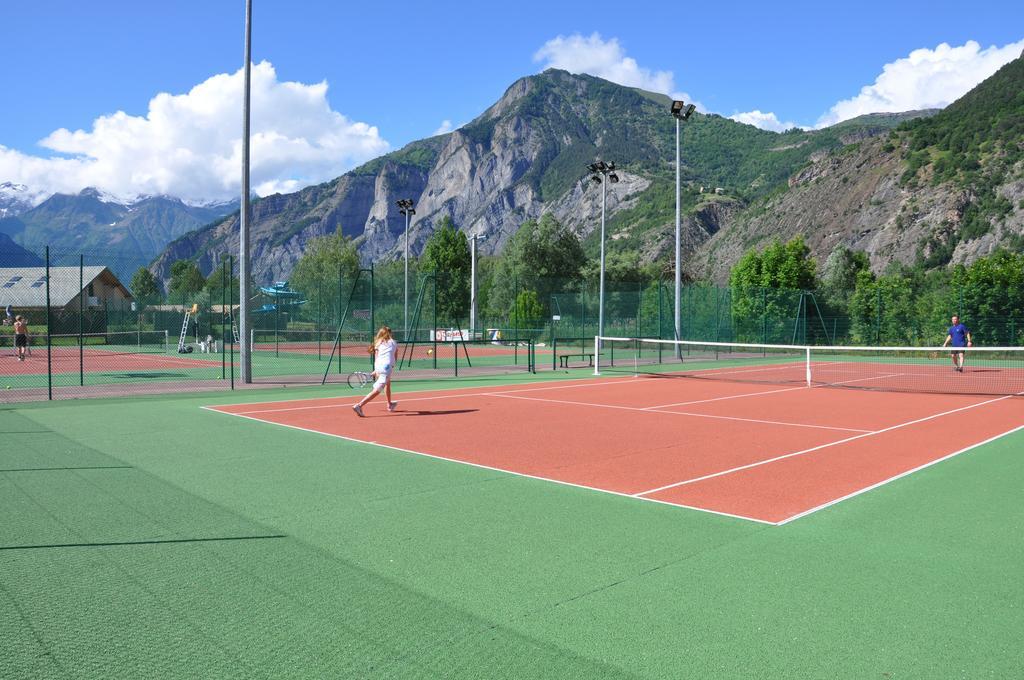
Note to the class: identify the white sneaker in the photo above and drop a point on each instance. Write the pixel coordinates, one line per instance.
(359, 410)
(392, 406)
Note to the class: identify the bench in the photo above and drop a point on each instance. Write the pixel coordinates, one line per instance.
(563, 359)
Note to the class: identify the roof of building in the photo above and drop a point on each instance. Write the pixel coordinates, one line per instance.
(25, 287)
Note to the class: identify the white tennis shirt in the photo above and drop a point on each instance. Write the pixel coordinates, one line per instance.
(385, 358)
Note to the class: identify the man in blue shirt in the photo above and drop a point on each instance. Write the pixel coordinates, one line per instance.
(959, 336)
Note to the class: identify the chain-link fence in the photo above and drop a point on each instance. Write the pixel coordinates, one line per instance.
(96, 325)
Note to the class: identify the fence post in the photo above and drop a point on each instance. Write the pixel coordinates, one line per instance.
(49, 358)
(764, 316)
(340, 295)
(81, 319)
(878, 316)
(515, 317)
(223, 306)
(433, 331)
(231, 301)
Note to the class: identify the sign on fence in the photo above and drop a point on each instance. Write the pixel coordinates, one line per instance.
(450, 335)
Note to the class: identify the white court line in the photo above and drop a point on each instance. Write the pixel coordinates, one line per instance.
(463, 393)
(677, 413)
(899, 476)
(494, 469)
(822, 446)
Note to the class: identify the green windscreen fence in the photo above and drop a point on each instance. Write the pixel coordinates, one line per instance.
(101, 325)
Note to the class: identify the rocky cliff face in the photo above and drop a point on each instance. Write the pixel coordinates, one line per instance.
(485, 177)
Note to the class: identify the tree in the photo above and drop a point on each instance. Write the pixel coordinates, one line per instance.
(544, 257)
(991, 294)
(839, 277)
(447, 256)
(882, 310)
(145, 288)
(186, 281)
(766, 287)
(527, 313)
(216, 287)
(325, 272)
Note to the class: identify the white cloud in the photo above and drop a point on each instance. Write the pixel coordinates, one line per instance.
(190, 145)
(606, 59)
(444, 128)
(764, 120)
(925, 79)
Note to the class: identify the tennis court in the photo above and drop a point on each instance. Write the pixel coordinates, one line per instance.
(661, 522)
(761, 452)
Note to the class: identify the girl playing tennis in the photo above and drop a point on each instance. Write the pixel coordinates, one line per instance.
(383, 349)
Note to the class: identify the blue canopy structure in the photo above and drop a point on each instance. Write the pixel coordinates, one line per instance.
(282, 294)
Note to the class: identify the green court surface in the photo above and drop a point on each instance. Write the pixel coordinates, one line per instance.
(147, 537)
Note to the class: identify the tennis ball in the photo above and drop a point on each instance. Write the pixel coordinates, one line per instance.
(430, 351)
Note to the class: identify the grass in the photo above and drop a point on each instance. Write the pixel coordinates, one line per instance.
(192, 544)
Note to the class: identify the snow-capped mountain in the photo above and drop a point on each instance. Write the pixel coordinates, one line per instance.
(15, 199)
(100, 225)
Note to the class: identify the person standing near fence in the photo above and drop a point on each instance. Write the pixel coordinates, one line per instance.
(384, 350)
(959, 336)
(20, 336)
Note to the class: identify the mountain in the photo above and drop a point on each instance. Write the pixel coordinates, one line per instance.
(130, 235)
(13, 255)
(527, 155)
(14, 199)
(944, 189)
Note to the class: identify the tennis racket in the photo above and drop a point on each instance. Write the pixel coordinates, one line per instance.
(359, 379)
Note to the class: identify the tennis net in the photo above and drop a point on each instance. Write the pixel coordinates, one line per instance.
(986, 370)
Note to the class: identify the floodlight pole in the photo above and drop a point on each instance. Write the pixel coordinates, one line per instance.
(472, 286)
(244, 261)
(679, 278)
(405, 206)
(600, 297)
(405, 323)
(681, 112)
(602, 172)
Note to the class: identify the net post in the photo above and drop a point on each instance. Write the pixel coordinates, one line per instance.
(597, 355)
(808, 364)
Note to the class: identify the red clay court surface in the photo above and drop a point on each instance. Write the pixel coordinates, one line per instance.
(94, 360)
(766, 453)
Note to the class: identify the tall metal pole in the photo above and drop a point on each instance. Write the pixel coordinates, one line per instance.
(244, 263)
(678, 315)
(600, 301)
(405, 332)
(681, 112)
(472, 289)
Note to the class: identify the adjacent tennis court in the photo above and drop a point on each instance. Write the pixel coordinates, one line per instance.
(759, 452)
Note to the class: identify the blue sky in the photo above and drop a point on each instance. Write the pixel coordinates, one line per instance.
(400, 71)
